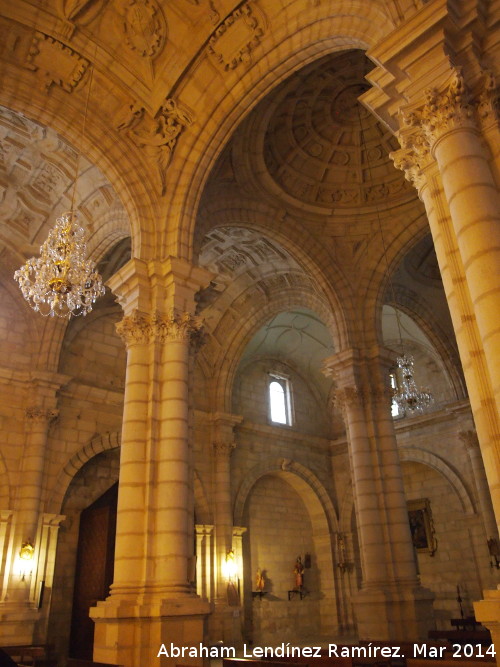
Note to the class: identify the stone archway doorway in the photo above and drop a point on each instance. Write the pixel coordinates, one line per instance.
(94, 569)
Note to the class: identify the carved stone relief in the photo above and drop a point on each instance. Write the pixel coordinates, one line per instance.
(55, 62)
(235, 39)
(143, 25)
(157, 135)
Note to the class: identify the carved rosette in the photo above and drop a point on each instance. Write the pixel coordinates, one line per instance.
(37, 415)
(223, 448)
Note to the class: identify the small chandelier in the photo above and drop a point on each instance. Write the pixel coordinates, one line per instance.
(407, 395)
(61, 281)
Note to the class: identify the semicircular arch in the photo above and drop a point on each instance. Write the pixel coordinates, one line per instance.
(98, 444)
(296, 472)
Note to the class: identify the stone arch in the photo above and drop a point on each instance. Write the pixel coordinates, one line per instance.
(97, 445)
(439, 465)
(302, 35)
(306, 476)
(100, 144)
(426, 458)
(229, 356)
(408, 302)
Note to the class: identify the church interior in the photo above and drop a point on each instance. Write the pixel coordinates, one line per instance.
(279, 419)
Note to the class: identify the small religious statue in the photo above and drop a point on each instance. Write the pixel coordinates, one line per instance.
(299, 574)
(259, 581)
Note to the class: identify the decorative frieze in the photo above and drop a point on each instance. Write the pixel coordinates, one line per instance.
(36, 415)
(156, 135)
(234, 40)
(55, 62)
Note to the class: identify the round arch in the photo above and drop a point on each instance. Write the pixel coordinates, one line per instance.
(300, 35)
(98, 444)
(438, 464)
(296, 474)
(228, 359)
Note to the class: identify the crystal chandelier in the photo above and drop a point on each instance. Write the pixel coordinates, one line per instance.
(62, 281)
(407, 395)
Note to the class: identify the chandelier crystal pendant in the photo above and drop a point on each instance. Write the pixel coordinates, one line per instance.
(62, 281)
(407, 395)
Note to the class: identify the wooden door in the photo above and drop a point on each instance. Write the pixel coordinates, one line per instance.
(94, 569)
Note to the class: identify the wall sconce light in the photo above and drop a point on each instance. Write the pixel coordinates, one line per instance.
(25, 556)
(229, 566)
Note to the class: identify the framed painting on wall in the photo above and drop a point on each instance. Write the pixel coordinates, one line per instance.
(422, 526)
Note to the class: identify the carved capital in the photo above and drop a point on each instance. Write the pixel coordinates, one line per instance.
(448, 109)
(181, 326)
(223, 449)
(134, 329)
(347, 397)
(138, 329)
(488, 100)
(37, 415)
(470, 440)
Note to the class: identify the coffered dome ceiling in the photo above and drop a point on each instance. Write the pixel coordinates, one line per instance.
(318, 146)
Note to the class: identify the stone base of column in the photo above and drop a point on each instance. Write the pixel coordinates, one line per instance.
(403, 614)
(224, 625)
(17, 625)
(166, 633)
(488, 612)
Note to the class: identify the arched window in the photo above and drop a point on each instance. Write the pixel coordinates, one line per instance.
(280, 406)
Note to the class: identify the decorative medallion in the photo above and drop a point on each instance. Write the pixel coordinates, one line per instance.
(143, 25)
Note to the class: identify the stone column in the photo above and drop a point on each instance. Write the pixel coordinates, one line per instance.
(473, 199)
(18, 608)
(471, 442)
(204, 560)
(151, 601)
(391, 603)
(222, 626)
(463, 203)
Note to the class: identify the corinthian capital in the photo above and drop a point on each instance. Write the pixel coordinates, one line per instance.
(223, 448)
(140, 329)
(347, 397)
(134, 329)
(448, 109)
(181, 326)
